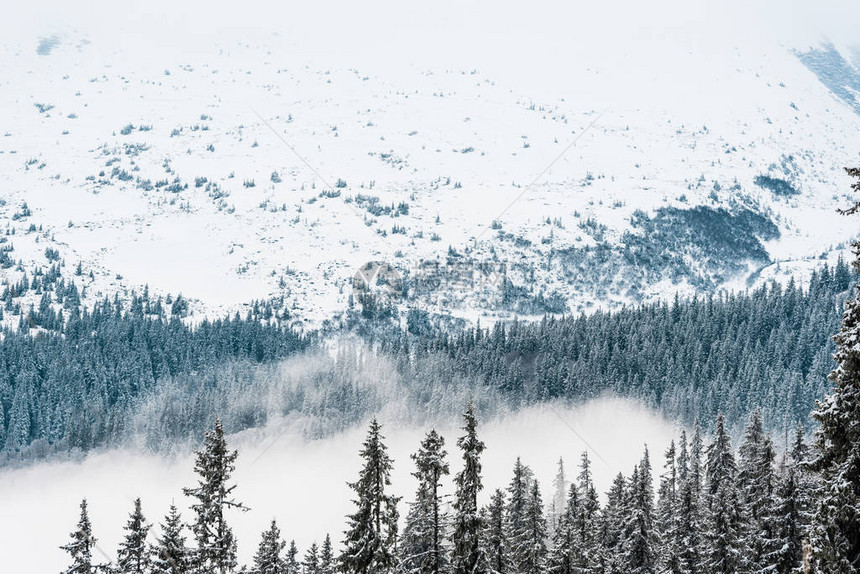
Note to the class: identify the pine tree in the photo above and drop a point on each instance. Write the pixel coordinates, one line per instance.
(466, 556)
(327, 562)
(292, 565)
(611, 533)
(421, 546)
(587, 525)
(556, 507)
(169, 554)
(565, 557)
(369, 546)
(214, 464)
(722, 539)
(81, 547)
(791, 508)
(311, 563)
(689, 511)
(535, 549)
(756, 484)
(268, 559)
(494, 542)
(835, 533)
(134, 555)
(670, 535)
(640, 543)
(516, 526)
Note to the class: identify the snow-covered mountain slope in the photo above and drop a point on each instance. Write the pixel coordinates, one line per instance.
(249, 154)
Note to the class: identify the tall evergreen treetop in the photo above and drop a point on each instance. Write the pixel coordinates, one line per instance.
(494, 540)
(213, 495)
(369, 542)
(688, 516)
(835, 537)
(791, 508)
(640, 548)
(757, 485)
(723, 519)
(311, 563)
(422, 546)
(536, 529)
(269, 559)
(612, 528)
(466, 556)
(556, 507)
(721, 467)
(134, 556)
(327, 559)
(81, 547)
(170, 554)
(516, 516)
(587, 523)
(667, 521)
(293, 566)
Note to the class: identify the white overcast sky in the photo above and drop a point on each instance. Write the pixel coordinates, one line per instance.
(470, 30)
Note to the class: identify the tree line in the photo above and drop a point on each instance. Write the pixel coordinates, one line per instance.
(714, 510)
(74, 382)
(76, 379)
(769, 348)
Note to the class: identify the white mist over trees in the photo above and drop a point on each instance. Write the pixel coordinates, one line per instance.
(143, 378)
(637, 528)
(716, 509)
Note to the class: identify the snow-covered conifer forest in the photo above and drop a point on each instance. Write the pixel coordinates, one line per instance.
(430, 288)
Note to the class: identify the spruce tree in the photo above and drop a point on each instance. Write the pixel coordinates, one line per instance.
(756, 483)
(268, 559)
(466, 556)
(791, 508)
(565, 557)
(689, 512)
(81, 547)
(835, 534)
(422, 550)
(170, 554)
(611, 533)
(213, 495)
(134, 556)
(556, 506)
(722, 539)
(587, 524)
(640, 542)
(311, 563)
(535, 552)
(327, 560)
(675, 538)
(516, 524)
(369, 545)
(494, 542)
(292, 565)
(668, 531)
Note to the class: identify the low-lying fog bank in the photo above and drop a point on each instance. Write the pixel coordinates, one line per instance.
(302, 483)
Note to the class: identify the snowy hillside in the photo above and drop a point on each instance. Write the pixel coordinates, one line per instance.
(264, 225)
(268, 160)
